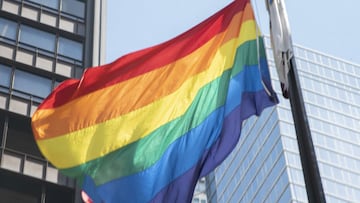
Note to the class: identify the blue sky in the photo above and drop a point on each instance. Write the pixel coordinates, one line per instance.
(331, 27)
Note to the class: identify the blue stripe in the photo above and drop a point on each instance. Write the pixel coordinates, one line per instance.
(183, 154)
(230, 134)
(245, 81)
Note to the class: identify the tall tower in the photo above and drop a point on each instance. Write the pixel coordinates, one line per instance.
(42, 43)
(266, 166)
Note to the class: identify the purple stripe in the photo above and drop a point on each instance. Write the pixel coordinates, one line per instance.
(180, 190)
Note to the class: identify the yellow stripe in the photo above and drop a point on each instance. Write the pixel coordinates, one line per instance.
(156, 84)
(84, 145)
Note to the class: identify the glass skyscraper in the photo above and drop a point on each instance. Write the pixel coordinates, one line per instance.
(42, 43)
(265, 166)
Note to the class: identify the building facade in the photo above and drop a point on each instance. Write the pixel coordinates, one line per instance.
(42, 43)
(199, 195)
(265, 166)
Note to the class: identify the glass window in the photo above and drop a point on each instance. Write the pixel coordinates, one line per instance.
(20, 137)
(73, 7)
(32, 84)
(70, 48)
(53, 191)
(5, 74)
(25, 194)
(37, 38)
(52, 4)
(8, 28)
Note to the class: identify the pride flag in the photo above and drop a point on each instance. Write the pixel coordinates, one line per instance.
(145, 127)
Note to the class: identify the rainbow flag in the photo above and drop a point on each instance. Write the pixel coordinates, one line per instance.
(145, 127)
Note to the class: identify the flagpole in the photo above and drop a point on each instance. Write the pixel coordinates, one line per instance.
(309, 163)
(286, 67)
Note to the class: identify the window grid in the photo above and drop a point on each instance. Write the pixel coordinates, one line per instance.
(255, 172)
(35, 45)
(331, 89)
(245, 154)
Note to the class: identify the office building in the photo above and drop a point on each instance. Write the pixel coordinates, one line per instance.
(265, 166)
(199, 195)
(42, 43)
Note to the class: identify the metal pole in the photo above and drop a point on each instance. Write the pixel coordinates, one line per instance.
(310, 167)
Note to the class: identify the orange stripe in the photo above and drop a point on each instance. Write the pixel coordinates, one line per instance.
(146, 60)
(90, 110)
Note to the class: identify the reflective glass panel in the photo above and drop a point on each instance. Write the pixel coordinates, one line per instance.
(8, 28)
(52, 3)
(76, 8)
(70, 48)
(32, 84)
(37, 38)
(5, 73)
(20, 137)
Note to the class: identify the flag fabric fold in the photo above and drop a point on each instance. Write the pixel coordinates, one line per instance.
(145, 127)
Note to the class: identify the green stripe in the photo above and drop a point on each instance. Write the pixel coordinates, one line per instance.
(246, 54)
(142, 154)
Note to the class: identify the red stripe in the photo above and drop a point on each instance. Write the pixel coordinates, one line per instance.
(145, 60)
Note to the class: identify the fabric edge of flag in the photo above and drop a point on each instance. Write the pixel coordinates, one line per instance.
(213, 152)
